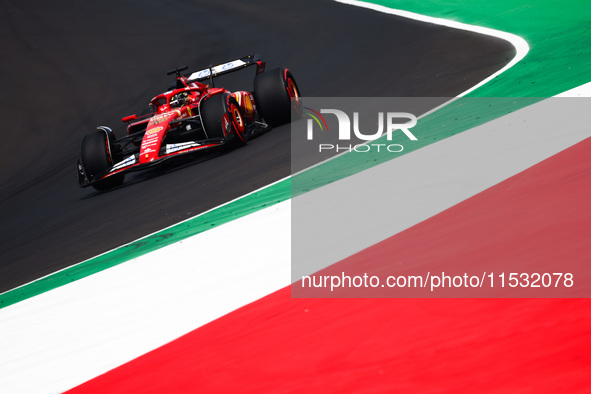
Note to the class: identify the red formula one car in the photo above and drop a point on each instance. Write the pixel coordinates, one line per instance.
(192, 116)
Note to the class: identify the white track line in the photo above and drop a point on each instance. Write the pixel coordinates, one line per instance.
(579, 91)
(521, 46)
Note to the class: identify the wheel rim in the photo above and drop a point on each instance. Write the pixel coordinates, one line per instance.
(294, 94)
(238, 122)
(292, 90)
(237, 118)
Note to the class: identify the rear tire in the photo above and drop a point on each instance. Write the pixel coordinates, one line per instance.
(277, 96)
(97, 158)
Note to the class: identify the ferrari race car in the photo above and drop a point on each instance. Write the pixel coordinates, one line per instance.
(191, 116)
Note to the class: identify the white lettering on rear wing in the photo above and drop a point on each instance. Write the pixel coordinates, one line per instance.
(217, 69)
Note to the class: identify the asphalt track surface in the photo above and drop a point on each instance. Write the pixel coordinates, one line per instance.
(68, 67)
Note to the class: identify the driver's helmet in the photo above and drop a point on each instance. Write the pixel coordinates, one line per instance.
(179, 99)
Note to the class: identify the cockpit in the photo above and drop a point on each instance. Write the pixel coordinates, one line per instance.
(179, 99)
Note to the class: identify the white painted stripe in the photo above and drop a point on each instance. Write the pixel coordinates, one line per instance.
(66, 336)
(521, 46)
(579, 91)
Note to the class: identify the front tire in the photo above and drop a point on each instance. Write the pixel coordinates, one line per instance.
(222, 111)
(277, 96)
(97, 157)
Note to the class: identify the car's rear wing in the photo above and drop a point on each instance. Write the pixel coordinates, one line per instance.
(234, 65)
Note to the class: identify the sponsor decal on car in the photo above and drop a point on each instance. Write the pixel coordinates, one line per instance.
(154, 130)
(166, 116)
(222, 67)
(149, 140)
(171, 148)
(125, 163)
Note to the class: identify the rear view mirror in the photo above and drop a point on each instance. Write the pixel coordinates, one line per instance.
(129, 118)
